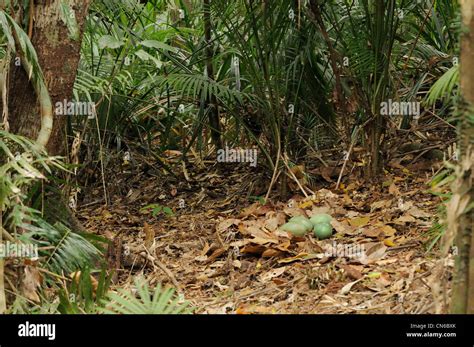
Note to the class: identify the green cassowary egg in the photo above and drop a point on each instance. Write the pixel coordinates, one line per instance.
(322, 230)
(302, 220)
(321, 218)
(294, 228)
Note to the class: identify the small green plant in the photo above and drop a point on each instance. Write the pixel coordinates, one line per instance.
(85, 294)
(156, 209)
(259, 199)
(438, 188)
(160, 301)
(22, 305)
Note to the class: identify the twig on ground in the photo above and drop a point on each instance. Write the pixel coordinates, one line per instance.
(285, 161)
(162, 267)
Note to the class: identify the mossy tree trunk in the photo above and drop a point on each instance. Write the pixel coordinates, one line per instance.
(461, 222)
(56, 30)
(58, 51)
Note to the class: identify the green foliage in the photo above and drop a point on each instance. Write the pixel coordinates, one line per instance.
(68, 17)
(23, 306)
(85, 295)
(444, 87)
(144, 65)
(157, 209)
(370, 43)
(18, 173)
(22, 165)
(160, 301)
(9, 30)
(440, 187)
(139, 77)
(67, 251)
(260, 199)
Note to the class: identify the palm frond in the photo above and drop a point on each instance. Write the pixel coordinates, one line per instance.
(444, 86)
(66, 251)
(160, 301)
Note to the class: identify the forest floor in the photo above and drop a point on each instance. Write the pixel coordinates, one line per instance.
(226, 254)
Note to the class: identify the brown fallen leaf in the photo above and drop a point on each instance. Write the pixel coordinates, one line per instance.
(404, 205)
(76, 276)
(347, 288)
(239, 243)
(372, 254)
(275, 221)
(359, 221)
(263, 240)
(283, 246)
(149, 235)
(251, 228)
(222, 226)
(406, 218)
(375, 233)
(279, 281)
(173, 191)
(294, 211)
(267, 276)
(382, 204)
(352, 272)
(388, 230)
(342, 227)
(393, 189)
(32, 280)
(347, 200)
(270, 252)
(216, 254)
(384, 280)
(205, 249)
(300, 257)
(253, 249)
(172, 153)
(263, 210)
(250, 210)
(319, 210)
(298, 171)
(327, 173)
(418, 213)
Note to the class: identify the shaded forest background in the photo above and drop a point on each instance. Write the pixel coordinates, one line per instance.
(121, 108)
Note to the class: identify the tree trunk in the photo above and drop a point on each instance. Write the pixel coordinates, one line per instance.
(58, 54)
(58, 49)
(461, 223)
(374, 135)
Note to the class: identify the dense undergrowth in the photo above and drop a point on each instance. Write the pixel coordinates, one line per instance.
(291, 78)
